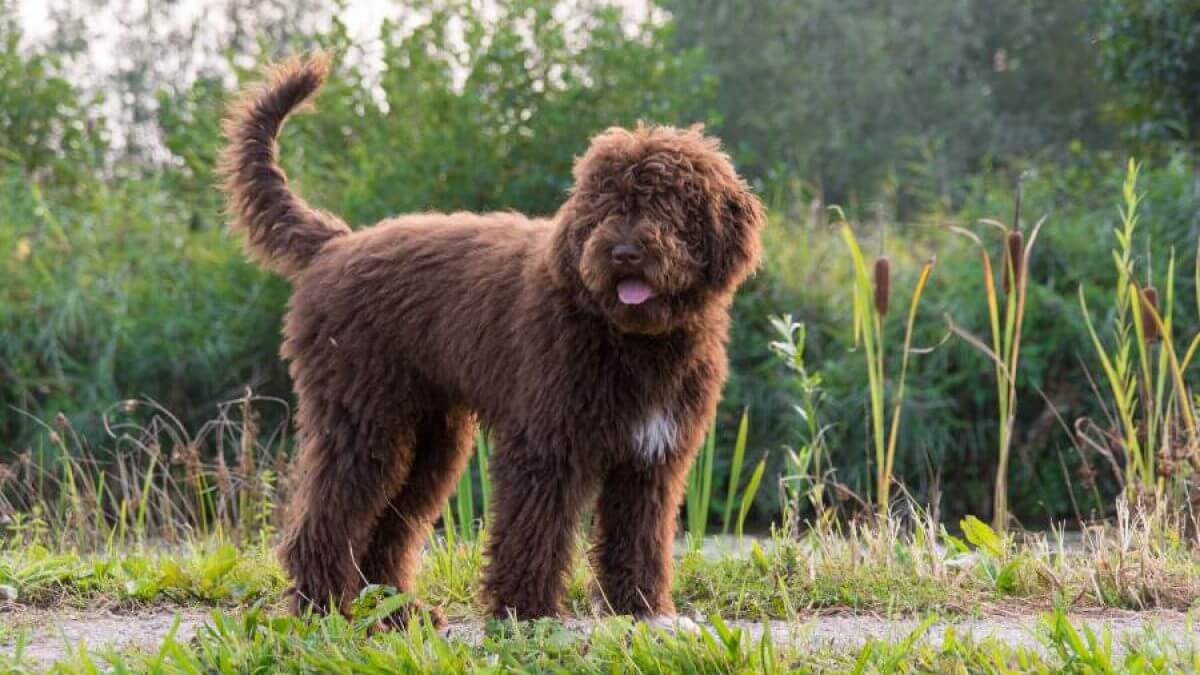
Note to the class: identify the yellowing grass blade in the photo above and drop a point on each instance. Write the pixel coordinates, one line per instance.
(922, 281)
(1121, 395)
(1181, 390)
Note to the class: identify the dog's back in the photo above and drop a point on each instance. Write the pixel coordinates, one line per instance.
(443, 292)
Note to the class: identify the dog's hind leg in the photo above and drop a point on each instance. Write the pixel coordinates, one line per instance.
(443, 446)
(357, 449)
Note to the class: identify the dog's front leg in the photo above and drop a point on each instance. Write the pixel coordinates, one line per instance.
(536, 505)
(633, 533)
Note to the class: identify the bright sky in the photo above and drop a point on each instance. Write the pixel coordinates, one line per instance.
(362, 17)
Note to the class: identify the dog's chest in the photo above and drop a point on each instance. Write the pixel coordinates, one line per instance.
(655, 435)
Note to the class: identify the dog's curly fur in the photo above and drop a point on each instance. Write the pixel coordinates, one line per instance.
(401, 336)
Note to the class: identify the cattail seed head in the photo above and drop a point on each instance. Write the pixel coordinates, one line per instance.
(1014, 258)
(224, 479)
(246, 463)
(883, 284)
(191, 463)
(1149, 310)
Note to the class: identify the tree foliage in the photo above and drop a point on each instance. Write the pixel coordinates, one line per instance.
(46, 127)
(1151, 54)
(860, 94)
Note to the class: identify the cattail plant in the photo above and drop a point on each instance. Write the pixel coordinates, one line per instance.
(1153, 404)
(883, 285)
(1149, 310)
(1005, 348)
(1014, 258)
(871, 302)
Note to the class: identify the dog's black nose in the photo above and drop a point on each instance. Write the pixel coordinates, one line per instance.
(627, 254)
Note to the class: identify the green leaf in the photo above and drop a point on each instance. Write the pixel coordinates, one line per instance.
(748, 495)
(217, 565)
(982, 536)
(735, 469)
(1006, 578)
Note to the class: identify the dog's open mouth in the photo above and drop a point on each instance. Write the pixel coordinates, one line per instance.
(634, 292)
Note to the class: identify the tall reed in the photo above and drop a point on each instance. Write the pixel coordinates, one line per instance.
(1005, 348)
(154, 480)
(871, 293)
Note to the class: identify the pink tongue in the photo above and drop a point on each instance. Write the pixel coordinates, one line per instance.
(634, 292)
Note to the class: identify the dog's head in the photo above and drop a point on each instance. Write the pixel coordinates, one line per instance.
(658, 225)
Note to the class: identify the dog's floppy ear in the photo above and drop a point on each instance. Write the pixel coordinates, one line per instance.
(566, 247)
(734, 252)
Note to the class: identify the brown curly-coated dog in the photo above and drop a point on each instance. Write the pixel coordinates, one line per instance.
(592, 343)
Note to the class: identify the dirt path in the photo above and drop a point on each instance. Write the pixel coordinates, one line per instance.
(52, 633)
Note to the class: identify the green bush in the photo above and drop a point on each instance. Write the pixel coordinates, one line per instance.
(1151, 53)
(872, 98)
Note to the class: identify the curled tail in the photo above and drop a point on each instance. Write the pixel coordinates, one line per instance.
(282, 230)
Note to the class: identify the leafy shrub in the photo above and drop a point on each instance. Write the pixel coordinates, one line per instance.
(1151, 54)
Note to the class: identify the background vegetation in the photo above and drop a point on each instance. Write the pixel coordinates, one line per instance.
(118, 280)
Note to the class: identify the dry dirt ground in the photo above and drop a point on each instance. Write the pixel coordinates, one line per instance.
(51, 633)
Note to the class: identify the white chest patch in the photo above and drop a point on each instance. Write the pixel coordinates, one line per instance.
(655, 436)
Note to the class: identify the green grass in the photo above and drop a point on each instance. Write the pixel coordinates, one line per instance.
(698, 497)
(208, 574)
(1136, 564)
(256, 641)
(918, 570)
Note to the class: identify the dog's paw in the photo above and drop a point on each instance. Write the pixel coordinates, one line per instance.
(672, 624)
(301, 603)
